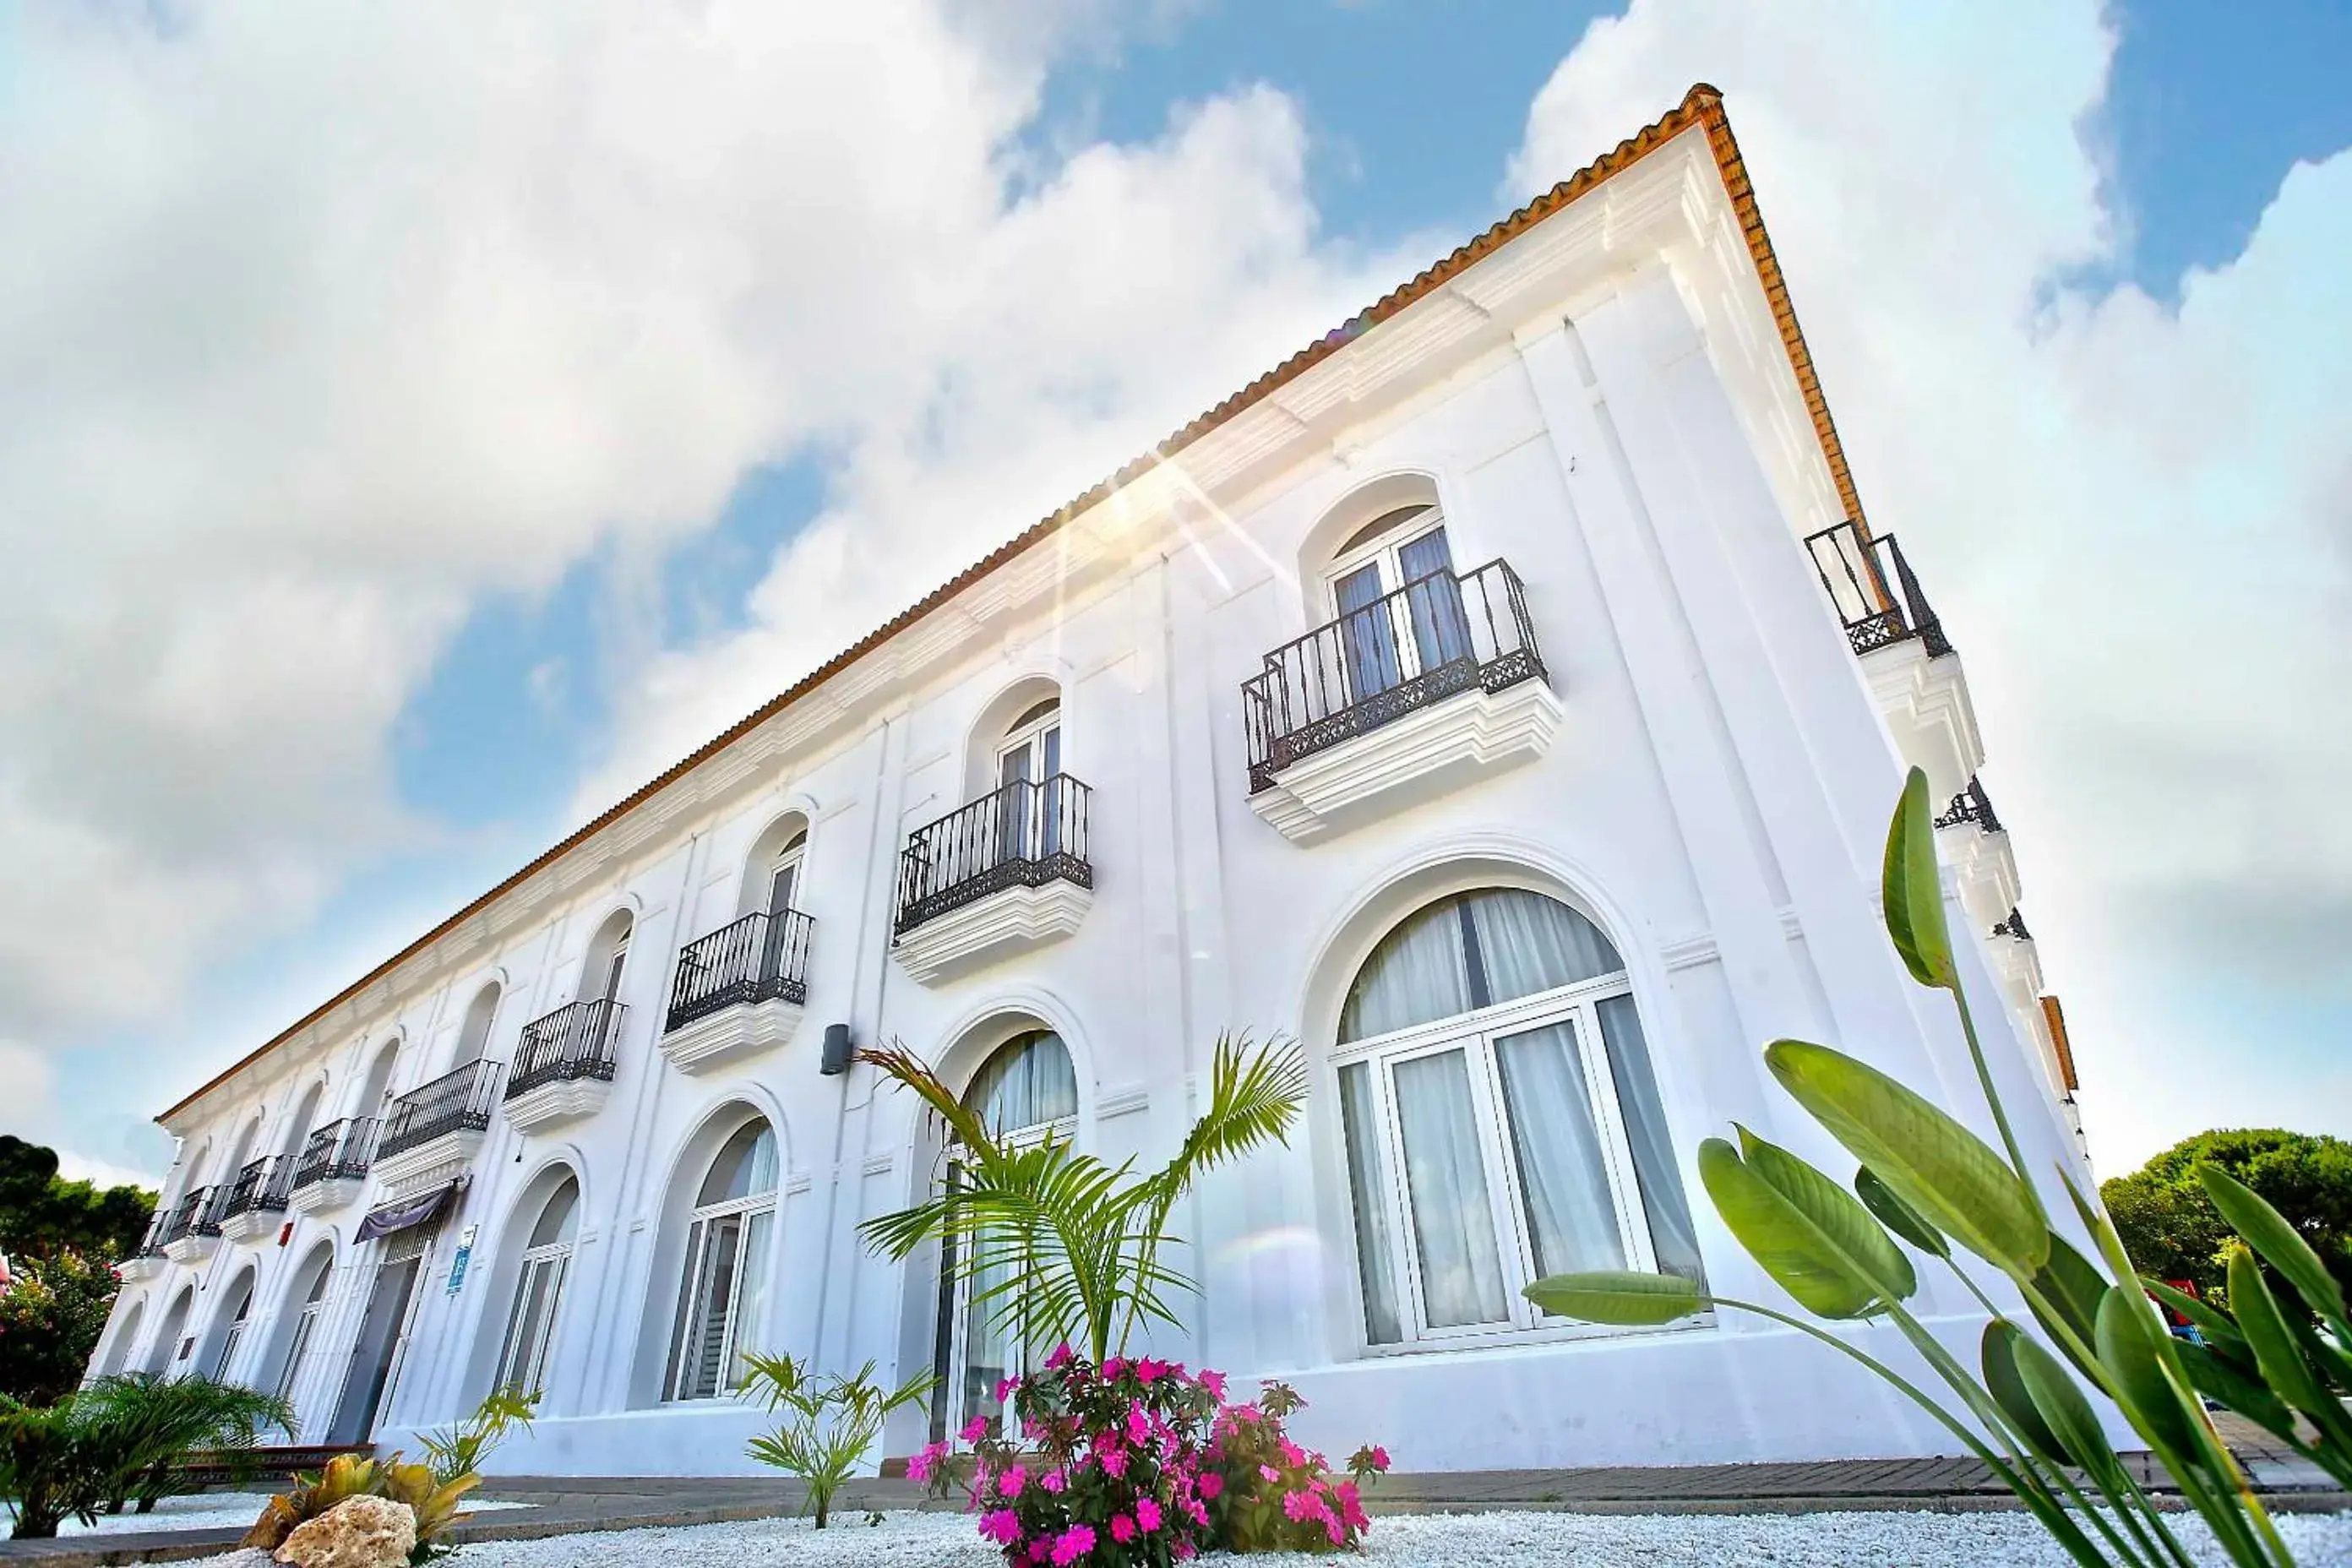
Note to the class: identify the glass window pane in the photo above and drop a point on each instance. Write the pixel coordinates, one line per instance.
(1445, 1178)
(751, 1294)
(986, 1345)
(1028, 1082)
(1672, 1235)
(1418, 972)
(1368, 633)
(560, 1219)
(1368, 1185)
(1528, 944)
(745, 1167)
(523, 1327)
(1563, 1179)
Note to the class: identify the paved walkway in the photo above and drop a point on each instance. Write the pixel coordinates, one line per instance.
(562, 1506)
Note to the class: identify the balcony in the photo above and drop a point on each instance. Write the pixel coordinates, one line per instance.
(1893, 630)
(1005, 874)
(564, 1064)
(256, 1204)
(739, 992)
(432, 1132)
(148, 1260)
(193, 1233)
(1413, 695)
(333, 1165)
(1974, 843)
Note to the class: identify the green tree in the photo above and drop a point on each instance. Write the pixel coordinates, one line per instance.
(2173, 1231)
(50, 1318)
(42, 1213)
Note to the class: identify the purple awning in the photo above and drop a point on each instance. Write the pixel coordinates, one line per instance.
(406, 1213)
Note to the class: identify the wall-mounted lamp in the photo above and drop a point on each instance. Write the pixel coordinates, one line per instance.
(835, 1058)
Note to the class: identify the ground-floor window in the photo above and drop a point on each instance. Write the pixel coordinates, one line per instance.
(539, 1293)
(1500, 1118)
(306, 1322)
(722, 1302)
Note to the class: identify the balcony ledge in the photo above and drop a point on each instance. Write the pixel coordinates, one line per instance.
(251, 1226)
(1925, 703)
(436, 1160)
(559, 1101)
(991, 930)
(327, 1196)
(1422, 755)
(731, 1034)
(191, 1249)
(142, 1265)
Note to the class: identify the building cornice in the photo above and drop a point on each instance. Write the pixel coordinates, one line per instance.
(1457, 308)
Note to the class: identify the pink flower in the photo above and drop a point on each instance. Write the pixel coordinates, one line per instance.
(974, 1429)
(1060, 1359)
(1139, 1425)
(1380, 1458)
(1112, 1367)
(1114, 1464)
(1268, 1472)
(1211, 1484)
(1039, 1548)
(1214, 1381)
(1001, 1526)
(1149, 1371)
(1146, 1514)
(1291, 1452)
(926, 1460)
(1332, 1528)
(1074, 1544)
(1010, 1483)
(1051, 1480)
(1122, 1529)
(1351, 1506)
(1004, 1387)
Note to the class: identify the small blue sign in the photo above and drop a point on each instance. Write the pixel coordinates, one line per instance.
(458, 1267)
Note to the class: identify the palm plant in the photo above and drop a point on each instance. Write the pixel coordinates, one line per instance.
(832, 1424)
(1060, 1245)
(145, 1426)
(48, 1467)
(1932, 1183)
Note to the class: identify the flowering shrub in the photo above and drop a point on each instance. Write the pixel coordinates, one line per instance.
(1139, 1462)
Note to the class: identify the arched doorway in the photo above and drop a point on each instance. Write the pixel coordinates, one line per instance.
(545, 1264)
(722, 1302)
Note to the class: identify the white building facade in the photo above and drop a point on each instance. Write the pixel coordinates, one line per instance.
(1504, 698)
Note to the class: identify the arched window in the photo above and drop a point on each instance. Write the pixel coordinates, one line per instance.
(165, 1354)
(608, 955)
(1029, 771)
(1501, 1118)
(1398, 605)
(120, 1351)
(723, 1302)
(375, 1090)
(1025, 1091)
(233, 1334)
(539, 1293)
(474, 1033)
(299, 1125)
(312, 1282)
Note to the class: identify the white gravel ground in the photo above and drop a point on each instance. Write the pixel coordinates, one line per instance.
(204, 1510)
(1520, 1540)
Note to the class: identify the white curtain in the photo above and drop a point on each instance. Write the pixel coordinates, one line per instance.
(1530, 943)
(1445, 1179)
(1027, 1083)
(1418, 972)
(1563, 1181)
(1368, 1186)
(1672, 1235)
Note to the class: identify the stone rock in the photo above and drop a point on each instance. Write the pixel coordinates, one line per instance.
(357, 1533)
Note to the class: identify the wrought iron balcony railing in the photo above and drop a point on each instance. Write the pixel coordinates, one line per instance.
(574, 1042)
(262, 1188)
(1437, 636)
(1971, 805)
(151, 1244)
(2014, 926)
(337, 1151)
(457, 1101)
(762, 957)
(1878, 600)
(198, 1213)
(1022, 836)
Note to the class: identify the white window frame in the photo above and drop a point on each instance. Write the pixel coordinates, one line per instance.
(1387, 551)
(517, 1360)
(306, 1323)
(787, 858)
(701, 1225)
(232, 1335)
(1030, 739)
(1475, 1033)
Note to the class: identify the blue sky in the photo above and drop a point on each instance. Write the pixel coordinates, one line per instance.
(505, 709)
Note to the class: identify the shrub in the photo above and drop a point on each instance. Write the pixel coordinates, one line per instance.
(51, 1315)
(49, 1467)
(459, 1451)
(1141, 1464)
(142, 1427)
(832, 1425)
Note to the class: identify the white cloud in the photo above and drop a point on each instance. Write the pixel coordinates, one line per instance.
(317, 327)
(2137, 524)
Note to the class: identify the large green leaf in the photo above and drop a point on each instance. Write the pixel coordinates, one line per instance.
(2074, 1287)
(1843, 1221)
(1914, 891)
(1933, 1164)
(2285, 1369)
(2061, 1401)
(1897, 1215)
(2127, 1349)
(1617, 1297)
(2211, 1322)
(2281, 1244)
(1782, 1239)
(1998, 1352)
(2230, 1387)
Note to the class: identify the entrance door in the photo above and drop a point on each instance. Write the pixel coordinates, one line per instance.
(1029, 828)
(387, 1310)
